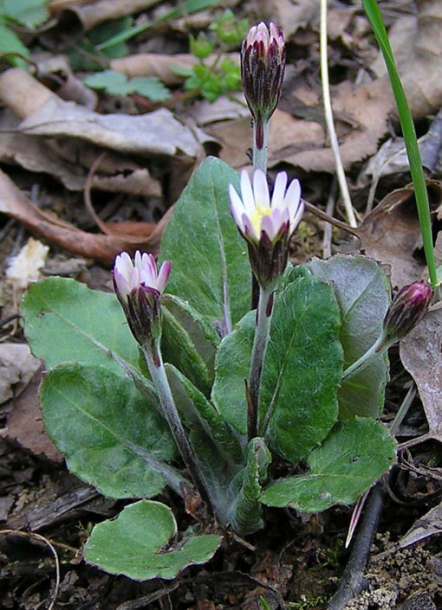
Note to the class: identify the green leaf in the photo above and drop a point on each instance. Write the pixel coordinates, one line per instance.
(301, 374)
(11, 43)
(211, 271)
(197, 412)
(188, 342)
(150, 87)
(232, 369)
(353, 457)
(111, 437)
(247, 487)
(30, 13)
(114, 83)
(65, 321)
(363, 299)
(136, 544)
(302, 370)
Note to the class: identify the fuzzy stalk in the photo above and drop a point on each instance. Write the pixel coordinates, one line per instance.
(263, 320)
(154, 361)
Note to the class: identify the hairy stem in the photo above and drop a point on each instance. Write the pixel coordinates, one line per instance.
(159, 378)
(260, 143)
(263, 319)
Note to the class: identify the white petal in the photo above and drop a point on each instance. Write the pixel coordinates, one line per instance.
(292, 196)
(261, 189)
(249, 229)
(247, 193)
(123, 263)
(278, 200)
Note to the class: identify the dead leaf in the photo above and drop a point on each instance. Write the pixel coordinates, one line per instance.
(157, 134)
(162, 66)
(25, 266)
(391, 233)
(290, 15)
(417, 45)
(421, 355)
(25, 425)
(74, 20)
(17, 367)
(15, 204)
(426, 526)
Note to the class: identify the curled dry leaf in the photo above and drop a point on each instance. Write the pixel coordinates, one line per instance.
(69, 161)
(75, 19)
(151, 135)
(419, 63)
(162, 66)
(15, 204)
(421, 354)
(391, 233)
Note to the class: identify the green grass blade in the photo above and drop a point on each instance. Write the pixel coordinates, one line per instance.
(372, 10)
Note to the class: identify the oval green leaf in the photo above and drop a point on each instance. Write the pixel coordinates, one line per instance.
(363, 298)
(352, 458)
(210, 267)
(65, 321)
(137, 544)
(111, 436)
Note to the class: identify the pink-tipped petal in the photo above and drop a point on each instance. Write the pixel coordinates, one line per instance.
(163, 275)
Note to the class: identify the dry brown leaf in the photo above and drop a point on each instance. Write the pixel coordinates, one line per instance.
(151, 135)
(78, 17)
(69, 160)
(426, 526)
(162, 66)
(290, 15)
(421, 355)
(15, 204)
(417, 45)
(25, 424)
(391, 233)
(17, 369)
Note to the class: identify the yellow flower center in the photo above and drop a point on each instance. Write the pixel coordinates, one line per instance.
(257, 216)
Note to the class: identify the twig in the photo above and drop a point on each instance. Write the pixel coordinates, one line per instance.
(353, 577)
(54, 553)
(329, 119)
(327, 239)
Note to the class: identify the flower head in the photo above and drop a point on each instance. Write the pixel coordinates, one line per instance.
(267, 223)
(406, 310)
(138, 286)
(262, 70)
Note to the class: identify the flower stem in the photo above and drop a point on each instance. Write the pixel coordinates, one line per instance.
(157, 371)
(359, 365)
(260, 143)
(263, 319)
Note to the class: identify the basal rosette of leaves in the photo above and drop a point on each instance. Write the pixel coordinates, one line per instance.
(101, 410)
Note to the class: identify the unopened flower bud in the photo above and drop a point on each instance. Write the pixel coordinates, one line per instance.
(262, 70)
(406, 310)
(138, 287)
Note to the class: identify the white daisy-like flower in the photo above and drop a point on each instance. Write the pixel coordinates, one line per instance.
(256, 213)
(129, 275)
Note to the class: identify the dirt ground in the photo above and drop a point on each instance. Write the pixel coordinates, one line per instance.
(60, 190)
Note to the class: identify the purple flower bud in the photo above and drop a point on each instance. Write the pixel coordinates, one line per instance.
(406, 310)
(262, 70)
(138, 287)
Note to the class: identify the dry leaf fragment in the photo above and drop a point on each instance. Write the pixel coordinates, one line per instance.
(18, 367)
(426, 526)
(25, 267)
(15, 204)
(421, 355)
(391, 233)
(151, 135)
